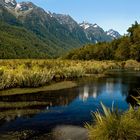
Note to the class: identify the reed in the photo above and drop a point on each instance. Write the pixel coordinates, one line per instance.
(36, 73)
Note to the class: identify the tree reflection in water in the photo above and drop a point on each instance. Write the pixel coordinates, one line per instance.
(42, 112)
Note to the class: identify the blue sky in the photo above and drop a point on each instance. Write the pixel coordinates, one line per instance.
(116, 14)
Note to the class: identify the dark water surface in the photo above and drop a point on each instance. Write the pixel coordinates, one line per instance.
(42, 112)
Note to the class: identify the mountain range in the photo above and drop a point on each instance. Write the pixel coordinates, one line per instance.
(28, 31)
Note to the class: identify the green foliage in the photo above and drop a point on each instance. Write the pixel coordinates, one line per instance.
(115, 126)
(127, 47)
(42, 35)
(132, 28)
(17, 42)
(7, 17)
(123, 51)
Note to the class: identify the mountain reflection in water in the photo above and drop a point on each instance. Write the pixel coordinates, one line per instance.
(41, 112)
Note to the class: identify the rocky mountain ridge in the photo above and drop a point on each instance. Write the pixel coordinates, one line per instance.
(59, 32)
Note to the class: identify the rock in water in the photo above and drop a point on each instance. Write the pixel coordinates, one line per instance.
(70, 133)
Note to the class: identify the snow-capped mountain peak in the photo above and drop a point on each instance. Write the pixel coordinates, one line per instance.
(10, 3)
(95, 25)
(18, 6)
(85, 25)
(114, 34)
(24, 6)
(13, 2)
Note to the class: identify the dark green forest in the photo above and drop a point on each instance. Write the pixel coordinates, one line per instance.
(17, 42)
(35, 35)
(38, 35)
(124, 48)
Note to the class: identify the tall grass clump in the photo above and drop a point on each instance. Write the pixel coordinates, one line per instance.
(34, 78)
(7, 78)
(132, 64)
(115, 126)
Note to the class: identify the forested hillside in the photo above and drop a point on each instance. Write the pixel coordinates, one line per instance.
(17, 42)
(127, 47)
(28, 31)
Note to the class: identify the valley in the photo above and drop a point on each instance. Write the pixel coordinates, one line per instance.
(54, 34)
(69, 70)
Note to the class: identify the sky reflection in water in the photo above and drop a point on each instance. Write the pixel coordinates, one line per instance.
(66, 107)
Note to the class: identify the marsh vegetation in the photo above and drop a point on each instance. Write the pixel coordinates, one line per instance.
(41, 112)
(114, 125)
(37, 73)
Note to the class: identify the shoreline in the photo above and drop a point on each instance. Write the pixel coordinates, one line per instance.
(32, 76)
(52, 87)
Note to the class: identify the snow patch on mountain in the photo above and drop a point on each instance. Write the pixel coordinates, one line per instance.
(49, 13)
(24, 6)
(95, 25)
(10, 1)
(85, 25)
(114, 34)
(18, 6)
(11, 4)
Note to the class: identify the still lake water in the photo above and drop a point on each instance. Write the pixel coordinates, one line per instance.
(42, 112)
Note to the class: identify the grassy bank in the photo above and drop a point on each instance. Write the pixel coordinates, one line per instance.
(115, 126)
(51, 87)
(37, 73)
